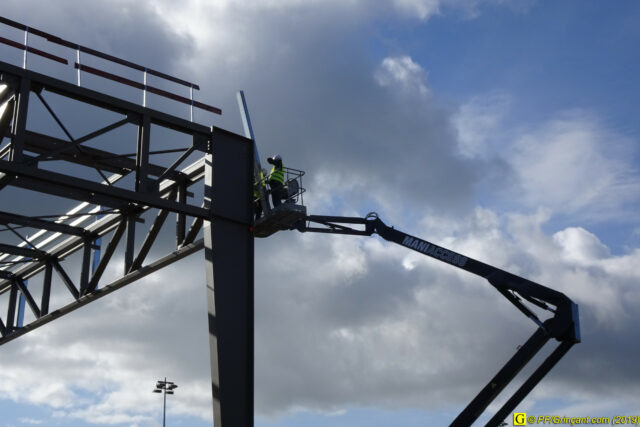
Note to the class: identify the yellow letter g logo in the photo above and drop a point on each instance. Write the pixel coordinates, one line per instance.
(519, 419)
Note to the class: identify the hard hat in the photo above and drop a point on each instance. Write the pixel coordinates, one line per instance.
(277, 157)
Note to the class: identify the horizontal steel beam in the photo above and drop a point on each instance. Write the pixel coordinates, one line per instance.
(194, 173)
(25, 252)
(33, 50)
(101, 100)
(41, 144)
(9, 218)
(82, 189)
(148, 88)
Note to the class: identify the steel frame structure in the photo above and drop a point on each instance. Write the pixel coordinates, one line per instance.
(110, 209)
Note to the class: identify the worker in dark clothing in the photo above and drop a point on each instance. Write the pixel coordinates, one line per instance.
(256, 193)
(276, 180)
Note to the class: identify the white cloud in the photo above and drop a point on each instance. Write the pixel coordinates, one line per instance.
(480, 126)
(576, 167)
(423, 9)
(33, 421)
(402, 73)
(571, 164)
(580, 246)
(469, 9)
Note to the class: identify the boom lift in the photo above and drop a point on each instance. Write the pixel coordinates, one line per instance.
(563, 325)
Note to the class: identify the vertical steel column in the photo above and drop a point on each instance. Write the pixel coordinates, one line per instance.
(181, 219)
(21, 302)
(97, 247)
(86, 267)
(46, 289)
(228, 243)
(130, 243)
(20, 120)
(142, 155)
(11, 309)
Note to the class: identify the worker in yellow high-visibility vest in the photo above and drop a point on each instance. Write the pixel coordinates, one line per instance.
(276, 180)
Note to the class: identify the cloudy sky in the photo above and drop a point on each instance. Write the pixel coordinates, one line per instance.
(505, 130)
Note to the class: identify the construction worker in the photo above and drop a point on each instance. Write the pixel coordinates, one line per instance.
(276, 180)
(256, 193)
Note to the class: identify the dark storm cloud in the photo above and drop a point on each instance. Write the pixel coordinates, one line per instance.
(132, 32)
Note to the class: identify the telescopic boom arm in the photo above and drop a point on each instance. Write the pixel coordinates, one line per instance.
(563, 325)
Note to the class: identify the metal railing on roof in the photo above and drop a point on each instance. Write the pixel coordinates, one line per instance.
(101, 73)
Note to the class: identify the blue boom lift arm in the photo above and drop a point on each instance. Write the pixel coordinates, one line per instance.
(564, 325)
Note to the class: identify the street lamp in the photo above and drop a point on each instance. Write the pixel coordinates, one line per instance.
(165, 387)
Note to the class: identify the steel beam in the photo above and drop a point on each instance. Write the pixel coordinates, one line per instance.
(149, 239)
(106, 290)
(76, 143)
(11, 309)
(86, 267)
(46, 289)
(111, 247)
(9, 218)
(193, 173)
(20, 120)
(22, 251)
(66, 279)
(3, 328)
(82, 189)
(42, 144)
(229, 273)
(101, 100)
(130, 242)
(181, 219)
(27, 296)
(7, 116)
(196, 225)
(142, 157)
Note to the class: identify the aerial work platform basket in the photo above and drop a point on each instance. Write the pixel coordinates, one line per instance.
(287, 214)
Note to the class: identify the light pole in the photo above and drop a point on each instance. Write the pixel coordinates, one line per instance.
(165, 387)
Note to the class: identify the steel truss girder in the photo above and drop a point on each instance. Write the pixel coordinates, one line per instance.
(9, 218)
(41, 144)
(224, 218)
(102, 226)
(107, 289)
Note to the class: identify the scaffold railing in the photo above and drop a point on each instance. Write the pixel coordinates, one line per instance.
(81, 67)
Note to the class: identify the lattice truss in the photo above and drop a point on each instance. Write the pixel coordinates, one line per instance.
(52, 154)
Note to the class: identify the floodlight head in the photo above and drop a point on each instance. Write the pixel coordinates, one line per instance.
(157, 391)
(169, 392)
(172, 387)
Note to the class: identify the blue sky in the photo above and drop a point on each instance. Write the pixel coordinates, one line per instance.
(505, 130)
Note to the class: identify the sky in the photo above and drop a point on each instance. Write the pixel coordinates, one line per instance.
(503, 130)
